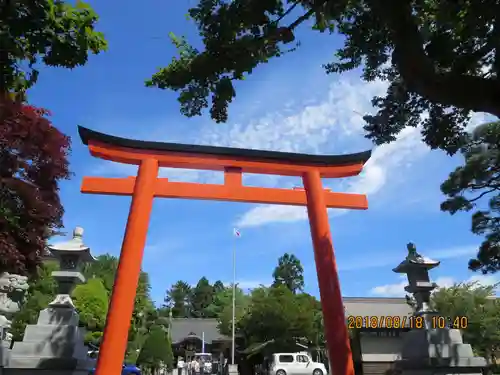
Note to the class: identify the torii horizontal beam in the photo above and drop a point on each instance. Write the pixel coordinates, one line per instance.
(187, 190)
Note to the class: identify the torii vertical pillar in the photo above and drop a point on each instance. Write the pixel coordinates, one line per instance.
(149, 156)
(337, 335)
(121, 305)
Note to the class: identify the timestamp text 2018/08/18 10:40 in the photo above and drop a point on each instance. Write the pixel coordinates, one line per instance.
(410, 322)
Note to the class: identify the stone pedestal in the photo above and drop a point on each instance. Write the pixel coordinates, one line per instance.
(437, 351)
(55, 346)
(4, 352)
(4, 357)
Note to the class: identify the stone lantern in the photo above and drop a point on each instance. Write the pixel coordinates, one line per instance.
(55, 344)
(72, 255)
(416, 267)
(430, 348)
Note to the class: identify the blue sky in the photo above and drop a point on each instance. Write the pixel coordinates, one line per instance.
(287, 105)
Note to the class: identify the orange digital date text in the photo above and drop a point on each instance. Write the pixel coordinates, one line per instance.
(410, 322)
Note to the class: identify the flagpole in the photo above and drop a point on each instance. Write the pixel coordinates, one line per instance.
(234, 301)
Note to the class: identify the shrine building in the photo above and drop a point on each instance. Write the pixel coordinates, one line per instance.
(374, 349)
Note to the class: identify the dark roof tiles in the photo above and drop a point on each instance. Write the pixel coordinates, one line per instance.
(182, 328)
(87, 135)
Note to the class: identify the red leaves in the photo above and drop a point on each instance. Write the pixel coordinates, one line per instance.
(33, 158)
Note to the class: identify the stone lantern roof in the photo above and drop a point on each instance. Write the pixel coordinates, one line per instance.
(415, 261)
(73, 246)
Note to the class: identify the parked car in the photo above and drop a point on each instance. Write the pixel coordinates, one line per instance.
(126, 370)
(93, 353)
(295, 364)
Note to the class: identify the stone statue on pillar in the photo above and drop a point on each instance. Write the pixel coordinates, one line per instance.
(13, 289)
(430, 350)
(413, 256)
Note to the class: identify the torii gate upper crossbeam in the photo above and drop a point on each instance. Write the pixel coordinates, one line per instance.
(175, 155)
(150, 156)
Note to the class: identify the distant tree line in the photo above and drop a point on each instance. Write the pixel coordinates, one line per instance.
(282, 312)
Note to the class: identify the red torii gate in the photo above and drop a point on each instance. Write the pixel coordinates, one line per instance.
(146, 186)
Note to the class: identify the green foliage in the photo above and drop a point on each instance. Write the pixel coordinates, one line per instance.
(472, 183)
(427, 52)
(222, 308)
(278, 314)
(178, 299)
(156, 350)
(289, 272)
(143, 299)
(55, 33)
(202, 297)
(144, 314)
(94, 337)
(91, 301)
(481, 307)
(237, 38)
(103, 268)
(218, 286)
(309, 304)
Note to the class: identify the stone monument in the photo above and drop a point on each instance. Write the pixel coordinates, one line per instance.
(431, 350)
(55, 345)
(12, 292)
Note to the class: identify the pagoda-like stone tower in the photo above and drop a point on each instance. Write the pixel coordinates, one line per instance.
(431, 350)
(55, 344)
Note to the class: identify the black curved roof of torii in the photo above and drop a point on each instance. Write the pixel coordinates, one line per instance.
(87, 135)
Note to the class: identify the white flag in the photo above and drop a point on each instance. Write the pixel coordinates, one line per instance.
(236, 232)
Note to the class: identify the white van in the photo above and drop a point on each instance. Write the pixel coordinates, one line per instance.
(295, 364)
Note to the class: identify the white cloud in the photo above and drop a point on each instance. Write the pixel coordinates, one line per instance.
(345, 124)
(267, 213)
(311, 128)
(385, 159)
(478, 119)
(485, 279)
(397, 289)
(315, 128)
(392, 259)
(110, 169)
(454, 252)
(333, 124)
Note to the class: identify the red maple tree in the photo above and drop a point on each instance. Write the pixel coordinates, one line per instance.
(33, 159)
